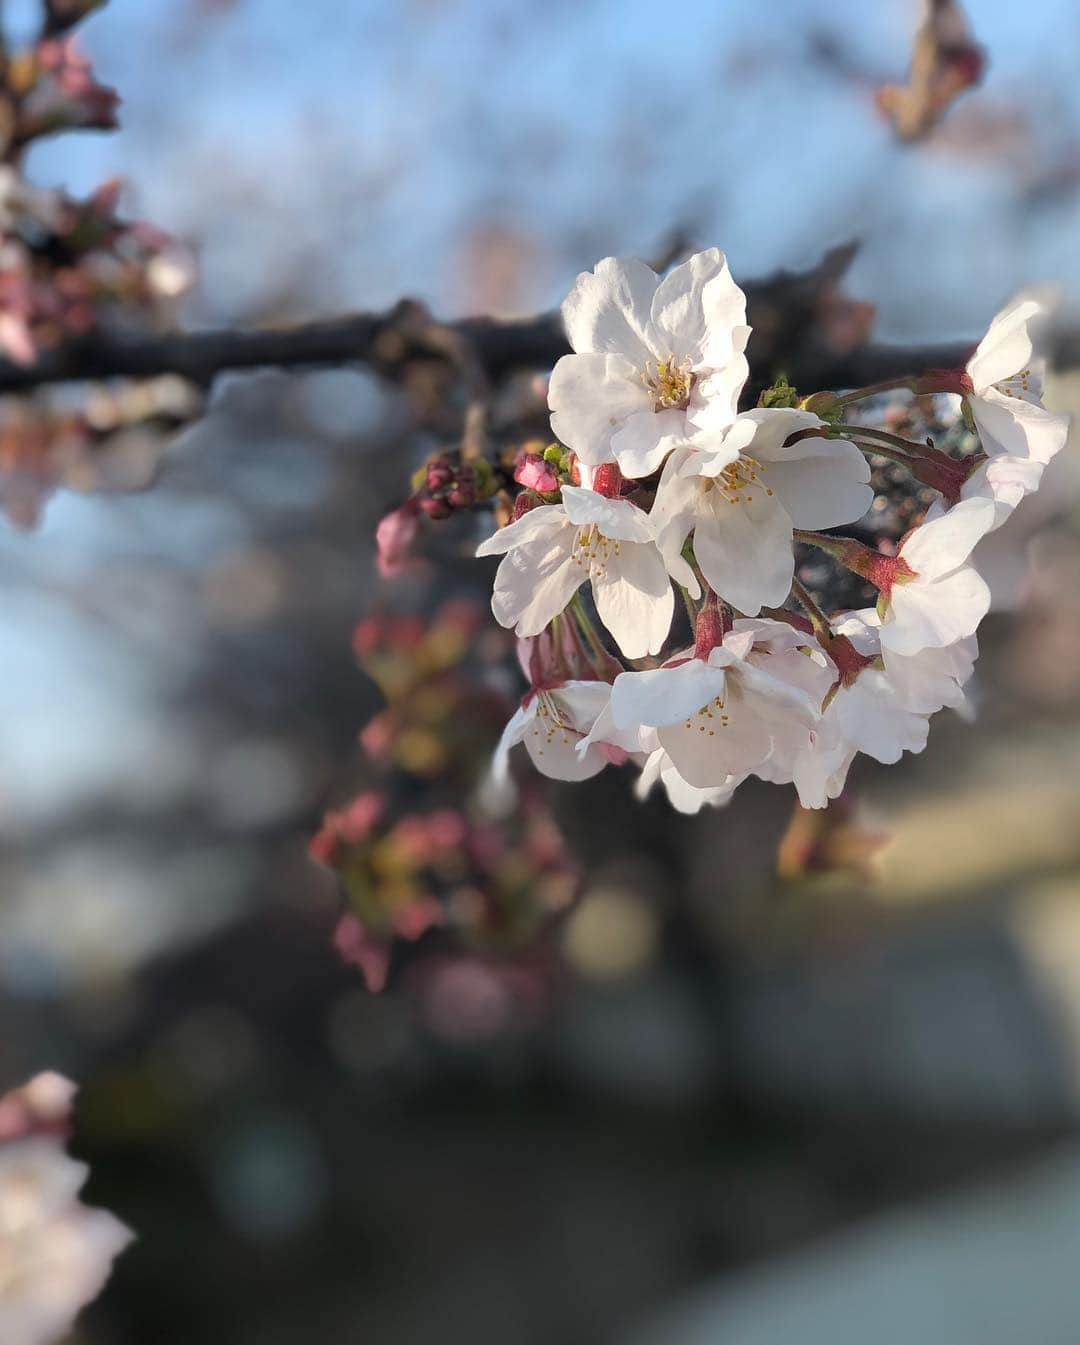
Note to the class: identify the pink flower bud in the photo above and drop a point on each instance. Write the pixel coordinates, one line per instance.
(394, 537)
(533, 472)
(359, 948)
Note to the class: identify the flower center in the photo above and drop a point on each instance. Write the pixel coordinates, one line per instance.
(710, 718)
(739, 479)
(1026, 386)
(549, 722)
(592, 550)
(668, 383)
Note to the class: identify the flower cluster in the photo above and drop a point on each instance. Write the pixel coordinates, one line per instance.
(672, 487)
(417, 849)
(72, 268)
(55, 1253)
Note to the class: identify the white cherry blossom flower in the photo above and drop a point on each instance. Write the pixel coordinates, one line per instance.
(552, 722)
(1018, 434)
(654, 360)
(926, 682)
(742, 496)
(936, 597)
(55, 1253)
(865, 713)
(555, 548)
(716, 717)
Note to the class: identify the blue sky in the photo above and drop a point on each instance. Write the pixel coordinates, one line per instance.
(363, 149)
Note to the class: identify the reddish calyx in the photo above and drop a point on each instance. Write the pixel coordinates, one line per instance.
(945, 380)
(712, 624)
(849, 662)
(880, 570)
(945, 473)
(609, 481)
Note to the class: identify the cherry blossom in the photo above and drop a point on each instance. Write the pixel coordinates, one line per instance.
(742, 498)
(1016, 431)
(717, 716)
(55, 1253)
(683, 797)
(552, 722)
(653, 359)
(553, 549)
(935, 597)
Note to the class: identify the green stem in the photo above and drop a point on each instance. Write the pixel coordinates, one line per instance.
(818, 619)
(874, 389)
(884, 451)
(586, 626)
(688, 603)
(911, 448)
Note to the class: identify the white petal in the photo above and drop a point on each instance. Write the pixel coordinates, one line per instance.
(1020, 429)
(696, 308)
(554, 753)
(608, 310)
(1008, 346)
(614, 518)
(933, 678)
(1005, 481)
(744, 550)
(544, 521)
(820, 773)
(938, 546)
(533, 584)
(514, 732)
(673, 515)
(665, 695)
(714, 398)
(563, 716)
(822, 483)
(591, 396)
(634, 599)
(717, 451)
(872, 718)
(643, 442)
(707, 750)
(772, 425)
(931, 616)
(605, 730)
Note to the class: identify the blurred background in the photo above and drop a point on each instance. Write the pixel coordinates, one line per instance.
(704, 1102)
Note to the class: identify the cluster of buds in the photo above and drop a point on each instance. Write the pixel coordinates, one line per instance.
(71, 269)
(449, 481)
(675, 490)
(404, 869)
(55, 1252)
(111, 441)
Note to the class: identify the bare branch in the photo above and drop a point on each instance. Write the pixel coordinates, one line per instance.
(784, 312)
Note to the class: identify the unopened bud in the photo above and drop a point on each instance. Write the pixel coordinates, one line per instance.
(826, 405)
(524, 502)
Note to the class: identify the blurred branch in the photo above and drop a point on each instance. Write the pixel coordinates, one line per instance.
(945, 61)
(785, 311)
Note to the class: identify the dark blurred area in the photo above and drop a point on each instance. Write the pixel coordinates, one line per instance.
(711, 1099)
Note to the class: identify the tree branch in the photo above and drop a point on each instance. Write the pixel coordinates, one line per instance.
(389, 340)
(781, 313)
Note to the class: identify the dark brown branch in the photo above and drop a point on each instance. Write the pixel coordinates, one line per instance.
(784, 312)
(385, 342)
